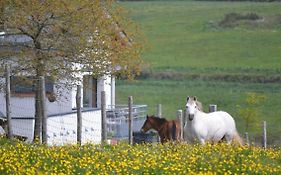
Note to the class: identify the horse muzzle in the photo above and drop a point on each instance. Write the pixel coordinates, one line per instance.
(190, 117)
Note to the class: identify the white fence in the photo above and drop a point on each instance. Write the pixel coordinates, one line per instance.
(62, 128)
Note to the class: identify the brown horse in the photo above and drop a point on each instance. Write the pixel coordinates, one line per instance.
(168, 130)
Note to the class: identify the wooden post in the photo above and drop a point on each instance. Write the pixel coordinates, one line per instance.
(159, 114)
(112, 91)
(180, 119)
(8, 103)
(247, 138)
(130, 119)
(184, 123)
(43, 109)
(212, 108)
(103, 117)
(159, 110)
(264, 140)
(79, 115)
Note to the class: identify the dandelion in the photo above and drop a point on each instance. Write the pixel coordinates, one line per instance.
(182, 158)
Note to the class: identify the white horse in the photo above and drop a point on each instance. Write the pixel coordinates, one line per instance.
(213, 127)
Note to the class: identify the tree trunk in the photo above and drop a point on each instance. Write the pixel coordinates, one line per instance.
(38, 108)
(38, 112)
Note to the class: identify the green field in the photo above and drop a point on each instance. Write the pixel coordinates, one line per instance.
(180, 35)
(190, 54)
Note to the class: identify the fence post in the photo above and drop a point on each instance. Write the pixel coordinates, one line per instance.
(8, 103)
(264, 140)
(212, 108)
(43, 109)
(159, 114)
(183, 124)
(103, 117)
(180, 119)
(159, 110)
(247, 138)
(79, 115)
(130, 105)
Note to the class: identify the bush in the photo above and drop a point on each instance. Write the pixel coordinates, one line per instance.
(233, 19)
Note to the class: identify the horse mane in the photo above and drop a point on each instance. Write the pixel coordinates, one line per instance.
(200, 106)
(161, 120)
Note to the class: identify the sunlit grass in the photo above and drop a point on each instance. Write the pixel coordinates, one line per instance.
(184, 34)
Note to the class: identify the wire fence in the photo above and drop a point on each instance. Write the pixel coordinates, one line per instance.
(118, 120)
(63, 124)
(57, 122)
(121, 122)
(62, 127)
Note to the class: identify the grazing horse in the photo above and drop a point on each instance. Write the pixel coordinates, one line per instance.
(168, 130)
(213, 127)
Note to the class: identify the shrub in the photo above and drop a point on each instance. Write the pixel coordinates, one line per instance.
(233, 19)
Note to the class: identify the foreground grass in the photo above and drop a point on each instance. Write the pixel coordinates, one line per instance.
(19, 158)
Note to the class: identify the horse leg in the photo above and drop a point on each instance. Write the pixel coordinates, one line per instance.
(174, 131)
(179, 135)
(228, 139)
(202, 141)
(222, 139)
(163, 140)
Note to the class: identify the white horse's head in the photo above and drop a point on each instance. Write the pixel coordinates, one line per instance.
(191, 107)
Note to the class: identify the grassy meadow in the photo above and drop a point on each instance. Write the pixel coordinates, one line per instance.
(183, 35)
(190, 54)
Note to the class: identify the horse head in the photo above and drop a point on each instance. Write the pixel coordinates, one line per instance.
(147, 124)
(191, 107)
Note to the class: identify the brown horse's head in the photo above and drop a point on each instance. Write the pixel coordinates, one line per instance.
(147, 124)
(152, 122)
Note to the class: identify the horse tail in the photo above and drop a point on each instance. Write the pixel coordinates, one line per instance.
(174, 131)
(237, 139)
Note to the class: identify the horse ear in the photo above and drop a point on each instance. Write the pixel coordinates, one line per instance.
(187, 98)
(146, 115)
(195, 98)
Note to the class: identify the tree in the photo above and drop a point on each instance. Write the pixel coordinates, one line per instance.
(250, 113)
(60, 38)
